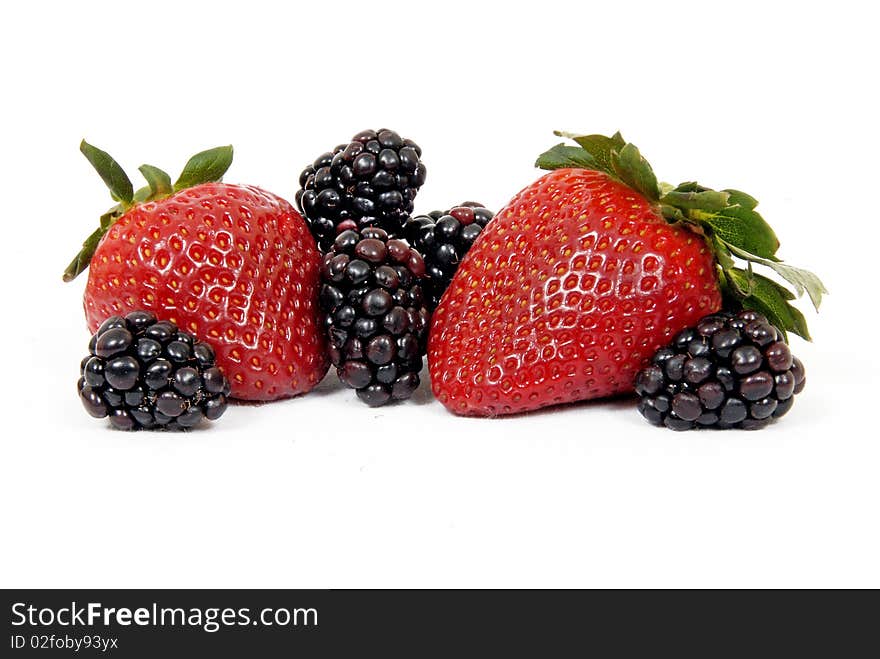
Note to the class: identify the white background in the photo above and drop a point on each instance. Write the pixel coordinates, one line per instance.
(773, 98)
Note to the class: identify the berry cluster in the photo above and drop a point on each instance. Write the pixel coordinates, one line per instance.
(375, 314)
(356, 201)
(145, 373)
(353, 281)
(730, 371)
(371, 181)
(443, 238)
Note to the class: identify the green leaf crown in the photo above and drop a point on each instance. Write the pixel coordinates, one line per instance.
(727, 219)
(204, 167)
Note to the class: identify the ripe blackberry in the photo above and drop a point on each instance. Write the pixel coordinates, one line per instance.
(371, 181)
(375, 314)
(145, 373)
(443, 238)
(730, 371)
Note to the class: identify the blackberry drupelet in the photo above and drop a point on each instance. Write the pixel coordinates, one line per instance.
(375, 314)
(443, 238)
(371, 181)
(146, 373)
(730, 371)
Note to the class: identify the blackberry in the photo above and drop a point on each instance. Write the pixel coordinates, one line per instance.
(374, 314)
(145, 373)
(443, 238)
(730, 371)
(371, 181)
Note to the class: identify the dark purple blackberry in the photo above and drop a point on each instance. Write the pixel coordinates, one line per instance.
(371, 181)
(146, 373)
(443, 238)
(730, 371)
(375, 314)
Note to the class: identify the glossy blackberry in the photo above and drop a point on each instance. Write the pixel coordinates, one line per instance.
(375, 314)
(371, 181)
(145, 373)
(443, 238)
(730, 371)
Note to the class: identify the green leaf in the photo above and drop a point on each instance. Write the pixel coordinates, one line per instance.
(740, 280)
(729, 214)
(691, 186)
(142, 194)
(108, 218)
(783, 291)
(799, 324)
(605, 154)
(742, 228)
(762, 281)
(159, 181)
(722, 254)
(709, 200)
(603, 149)
(635, 171)
(673, 214)
(739, 198)
(82, 259)
(205, 167)
(561, 156)
(109, 170)
(769, 298)
(802, 280)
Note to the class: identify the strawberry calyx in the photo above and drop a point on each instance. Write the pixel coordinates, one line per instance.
(737, 234)
(204, 167)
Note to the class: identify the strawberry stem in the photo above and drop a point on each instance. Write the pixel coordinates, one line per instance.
(109, 170)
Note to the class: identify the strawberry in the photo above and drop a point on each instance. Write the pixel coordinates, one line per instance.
(233, 265)
(587, 272)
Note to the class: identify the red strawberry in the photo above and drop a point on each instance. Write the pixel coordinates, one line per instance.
(586, 273)
(234, 265)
